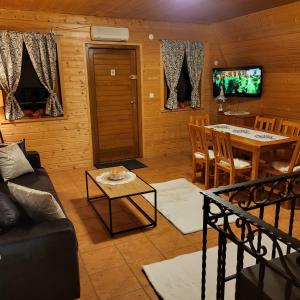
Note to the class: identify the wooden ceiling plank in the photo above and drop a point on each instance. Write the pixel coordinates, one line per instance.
(190, 11)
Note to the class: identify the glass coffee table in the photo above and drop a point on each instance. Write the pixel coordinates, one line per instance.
(120, 191)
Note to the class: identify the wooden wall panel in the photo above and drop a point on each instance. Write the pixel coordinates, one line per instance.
(269, 38)
(66, 143)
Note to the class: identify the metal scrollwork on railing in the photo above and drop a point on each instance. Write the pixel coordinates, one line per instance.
(262, 240)
(262, 193)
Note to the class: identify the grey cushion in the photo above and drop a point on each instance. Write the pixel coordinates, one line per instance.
(38, 180)
(21, 144)
(40, 206)
(9, 213)
(13, 162)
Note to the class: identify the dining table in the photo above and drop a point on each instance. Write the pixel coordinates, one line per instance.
(253, 141)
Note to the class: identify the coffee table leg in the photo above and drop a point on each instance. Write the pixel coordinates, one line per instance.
(87, 186)
(110, 219)
(155, 209)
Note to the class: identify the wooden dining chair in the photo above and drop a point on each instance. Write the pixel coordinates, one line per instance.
(200, 120)
(264, 123)
(286, 128)
(202, 156)
(224, 160)
(289, 128)
(283, 167)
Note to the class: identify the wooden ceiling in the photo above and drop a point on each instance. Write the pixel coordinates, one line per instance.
(191, 11)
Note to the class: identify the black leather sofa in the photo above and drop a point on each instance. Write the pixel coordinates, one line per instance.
(38, 261)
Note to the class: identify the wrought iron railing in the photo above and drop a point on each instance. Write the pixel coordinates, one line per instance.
(249, 201)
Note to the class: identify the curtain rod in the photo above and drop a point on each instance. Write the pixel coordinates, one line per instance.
(204, 41)
(67, 29)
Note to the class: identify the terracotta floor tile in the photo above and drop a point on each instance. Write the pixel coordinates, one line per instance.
(85, 212)
(88, 225)
(138, 250)
(137, 269)
(180, 251)
(93, 188)
(211, 242)
(59, 179)
(93, 297)
(114, 282)
(86, 288)
(111, 268)
(94, 240)
(195, 237)
(76, 174)
(102, 259)
(68, 191)
(144, 204)
(136, 295)
(169, 240)
(163, 225)
(151, 293)
(128, 236)
(198, 247)
(102, 206)
(73, 203)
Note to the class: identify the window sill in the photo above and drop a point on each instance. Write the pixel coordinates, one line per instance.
(29, 120)
(165, 110)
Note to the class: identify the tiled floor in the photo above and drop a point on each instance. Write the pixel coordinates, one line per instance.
(110, 268)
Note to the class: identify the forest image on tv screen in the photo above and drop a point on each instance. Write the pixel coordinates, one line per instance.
(243, 82)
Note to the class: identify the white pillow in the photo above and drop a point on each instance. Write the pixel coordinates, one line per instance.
(40, 206)
(13, 162)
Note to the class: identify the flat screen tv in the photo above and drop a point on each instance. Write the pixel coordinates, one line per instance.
(239, 81)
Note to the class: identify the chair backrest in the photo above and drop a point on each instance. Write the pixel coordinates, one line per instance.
(289, 128)
(222, 147)
(200, 120)
(295, 160)
(198, 139)
(264, 123)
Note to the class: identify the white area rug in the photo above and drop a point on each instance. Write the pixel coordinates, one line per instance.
(180, 278)
(181, 203)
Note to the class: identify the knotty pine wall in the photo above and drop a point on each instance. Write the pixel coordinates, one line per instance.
(270, 38)
(66, 143)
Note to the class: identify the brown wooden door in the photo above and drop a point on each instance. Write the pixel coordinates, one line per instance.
(114, 103)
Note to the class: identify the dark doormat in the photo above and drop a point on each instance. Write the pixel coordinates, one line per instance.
(130, 164)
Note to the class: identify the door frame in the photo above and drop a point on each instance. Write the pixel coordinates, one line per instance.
(92, 92)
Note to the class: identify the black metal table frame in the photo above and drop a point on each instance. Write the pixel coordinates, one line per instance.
(153, 222)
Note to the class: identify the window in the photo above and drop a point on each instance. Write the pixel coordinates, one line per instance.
(184, 87)
(31, 94)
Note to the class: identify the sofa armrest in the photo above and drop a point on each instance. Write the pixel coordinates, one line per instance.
(41, 261)
(34, 159)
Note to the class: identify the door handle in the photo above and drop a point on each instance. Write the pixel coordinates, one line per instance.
(132, 77)
(132, 101)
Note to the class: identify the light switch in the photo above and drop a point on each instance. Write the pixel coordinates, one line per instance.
(112, 72)
(151, 95)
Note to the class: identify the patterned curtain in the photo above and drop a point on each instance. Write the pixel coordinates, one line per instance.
(42, 52)
(11, 49)
(172, 55)
(195, 59)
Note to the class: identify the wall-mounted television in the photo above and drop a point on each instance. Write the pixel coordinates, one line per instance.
(238, 81)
